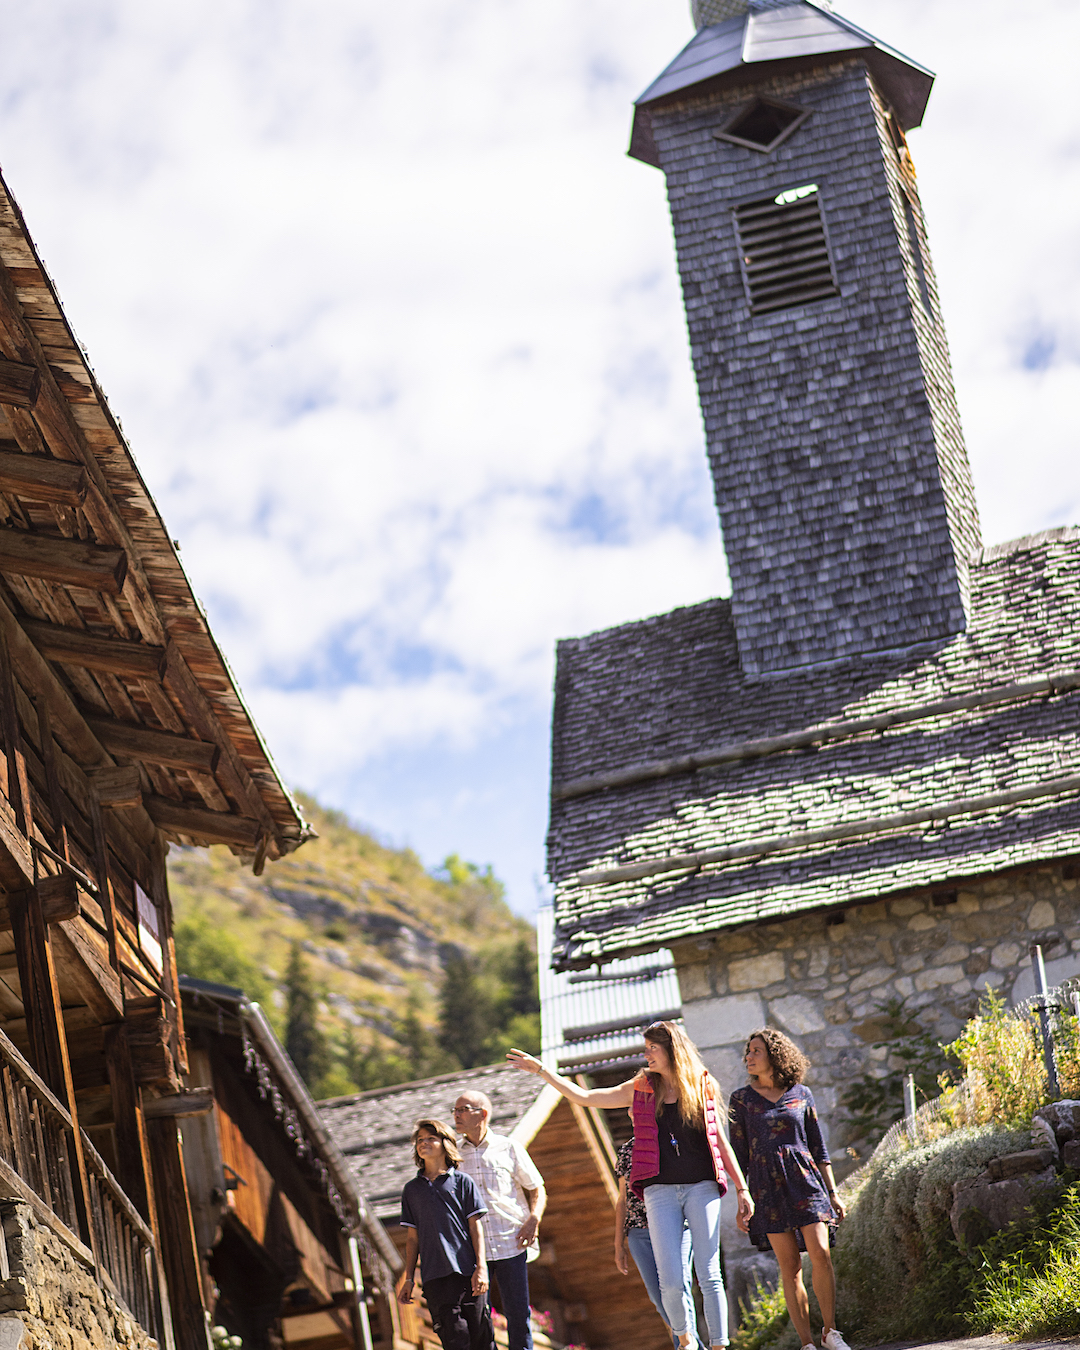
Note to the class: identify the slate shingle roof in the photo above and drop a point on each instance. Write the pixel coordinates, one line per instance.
(672, 685)
(373, 1129)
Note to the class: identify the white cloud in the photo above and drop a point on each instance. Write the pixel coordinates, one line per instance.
(394, 327)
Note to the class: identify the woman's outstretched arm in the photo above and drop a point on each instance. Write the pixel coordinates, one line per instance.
(622, 1095)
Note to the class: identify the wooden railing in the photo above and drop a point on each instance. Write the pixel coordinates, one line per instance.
(38, 1164)
(125, 1245)
(36, 1139)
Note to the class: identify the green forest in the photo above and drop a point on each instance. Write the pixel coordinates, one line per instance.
(372, 969)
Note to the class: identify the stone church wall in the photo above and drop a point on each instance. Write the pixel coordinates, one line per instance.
(50, 1300)
(822, 981)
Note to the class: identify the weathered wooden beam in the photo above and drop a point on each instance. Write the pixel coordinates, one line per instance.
(117, 788)
(181, 1104)
(84, 957)
(232, 772)
(74, 647)
(132, 1150)
(19, 384)
(154, 747)
(215, 827)
(71, 562)
(45, 1024)
(176, 1235)
(41, 479)
(54, 421)
(59, 897)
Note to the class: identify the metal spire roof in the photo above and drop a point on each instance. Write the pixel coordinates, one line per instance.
(761, 39)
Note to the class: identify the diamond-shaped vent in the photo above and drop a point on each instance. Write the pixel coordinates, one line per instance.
(763, 124)
(785, 253)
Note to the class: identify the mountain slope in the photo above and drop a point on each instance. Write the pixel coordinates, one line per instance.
(378, 930)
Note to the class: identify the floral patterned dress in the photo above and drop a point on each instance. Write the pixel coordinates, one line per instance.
(780, 1150)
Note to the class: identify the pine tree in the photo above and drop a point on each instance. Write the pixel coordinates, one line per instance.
(419, 1045)
(522, 995)
(305, 1043)
(463, 1012)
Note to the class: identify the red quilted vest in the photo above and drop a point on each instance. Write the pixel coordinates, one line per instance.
(645, 1160)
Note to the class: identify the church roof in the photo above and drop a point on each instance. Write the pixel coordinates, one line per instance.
(754, 45)
(688, 798)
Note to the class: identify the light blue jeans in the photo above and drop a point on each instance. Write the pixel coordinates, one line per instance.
(698, 1205)
(640, 1244)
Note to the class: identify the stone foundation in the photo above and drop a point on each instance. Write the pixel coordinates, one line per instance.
(50, 1300)
(821, 978)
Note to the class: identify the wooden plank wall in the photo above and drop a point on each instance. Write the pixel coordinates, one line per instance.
(580, 1224)
(253, 1203)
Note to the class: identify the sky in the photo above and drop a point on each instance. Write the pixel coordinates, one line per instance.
(393, 327)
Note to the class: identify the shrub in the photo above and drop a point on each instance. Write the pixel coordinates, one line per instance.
(900, 1273)
(1002, 1056)
(763, 1321)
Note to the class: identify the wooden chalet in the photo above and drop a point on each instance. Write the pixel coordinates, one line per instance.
(122, 730)
(574, 1280)
(292, 1256)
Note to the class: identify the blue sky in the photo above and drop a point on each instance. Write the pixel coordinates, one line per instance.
(393, 326)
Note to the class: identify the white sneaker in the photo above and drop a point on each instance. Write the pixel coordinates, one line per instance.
(834, 1341)
(809, 1346)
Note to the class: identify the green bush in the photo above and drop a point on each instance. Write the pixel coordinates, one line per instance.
(900, 1273)
(763, 1322)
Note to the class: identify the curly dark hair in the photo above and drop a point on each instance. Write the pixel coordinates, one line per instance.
(788, 1063)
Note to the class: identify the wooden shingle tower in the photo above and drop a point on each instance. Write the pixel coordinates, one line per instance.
(823, 372)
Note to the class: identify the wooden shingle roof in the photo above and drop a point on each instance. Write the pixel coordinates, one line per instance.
(91, 583)
(689, 798)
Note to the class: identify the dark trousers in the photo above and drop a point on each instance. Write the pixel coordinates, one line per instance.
(512, 1277)
(462, 1319)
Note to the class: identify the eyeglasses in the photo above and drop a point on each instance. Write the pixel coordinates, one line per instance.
(465, 1110)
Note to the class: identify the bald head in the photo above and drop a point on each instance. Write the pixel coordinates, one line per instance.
(472, 1111)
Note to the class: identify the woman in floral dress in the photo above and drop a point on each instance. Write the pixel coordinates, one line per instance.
(776, 1137)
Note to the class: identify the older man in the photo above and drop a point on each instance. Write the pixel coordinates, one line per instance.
(513, 1191)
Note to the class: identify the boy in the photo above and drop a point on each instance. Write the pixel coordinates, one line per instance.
(441, 1208)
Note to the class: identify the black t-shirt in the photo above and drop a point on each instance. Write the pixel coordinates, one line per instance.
(685, 1156)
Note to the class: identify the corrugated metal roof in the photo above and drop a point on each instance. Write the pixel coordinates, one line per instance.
(593, 1019)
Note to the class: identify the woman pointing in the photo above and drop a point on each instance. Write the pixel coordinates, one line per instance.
(680, 1165)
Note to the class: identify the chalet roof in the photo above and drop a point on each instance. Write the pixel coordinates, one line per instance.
(754, 45)
(279, 1091)
(688, 798)
(98, 611)
(373, 1129)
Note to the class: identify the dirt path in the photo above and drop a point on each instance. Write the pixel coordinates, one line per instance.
(982, 1343)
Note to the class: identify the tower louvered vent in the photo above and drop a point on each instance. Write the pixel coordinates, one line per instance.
(785, 253)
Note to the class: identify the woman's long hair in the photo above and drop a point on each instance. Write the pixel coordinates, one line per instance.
(689, 1073)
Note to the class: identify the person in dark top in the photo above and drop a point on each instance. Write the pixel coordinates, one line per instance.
(441, 1208)
(777, 1139)
(680, 1164)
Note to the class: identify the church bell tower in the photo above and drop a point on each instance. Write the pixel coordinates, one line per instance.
(822, 367)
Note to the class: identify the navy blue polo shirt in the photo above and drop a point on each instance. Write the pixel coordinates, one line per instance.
(440, 1211)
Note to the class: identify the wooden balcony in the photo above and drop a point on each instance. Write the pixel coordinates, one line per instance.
(72, 1191)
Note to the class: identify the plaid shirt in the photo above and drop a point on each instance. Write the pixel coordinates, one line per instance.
(503, 1171)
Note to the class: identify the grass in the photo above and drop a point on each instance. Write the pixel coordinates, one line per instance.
(1028, 1284)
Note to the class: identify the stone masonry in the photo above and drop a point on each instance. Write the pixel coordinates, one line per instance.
(823, 983)
(50, 1300)
(822, 978)
(837, 455)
